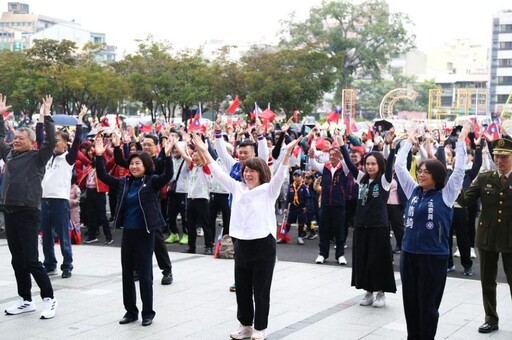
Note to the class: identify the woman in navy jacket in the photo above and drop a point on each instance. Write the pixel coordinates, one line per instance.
(428, 217)
(138, 212)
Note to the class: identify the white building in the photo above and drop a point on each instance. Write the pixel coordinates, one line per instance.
(19, 29)
(501, 61)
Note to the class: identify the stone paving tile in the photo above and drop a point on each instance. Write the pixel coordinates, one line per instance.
(308, 301)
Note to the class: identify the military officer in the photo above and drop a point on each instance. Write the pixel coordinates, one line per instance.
(494, 231)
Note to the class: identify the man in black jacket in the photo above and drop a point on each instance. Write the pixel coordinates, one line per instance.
(21, 195)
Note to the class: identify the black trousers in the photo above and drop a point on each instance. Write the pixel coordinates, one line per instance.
(112, 201)
(332, 220)
(254, 268)
(177, 204)
(219, 202)
(197, 216)
(423, 281)
(137, 254)
(161, 253)
(488, 273)
(97, 213)
(21, 228)
(350, 214)
(460, 228)
(396, 220)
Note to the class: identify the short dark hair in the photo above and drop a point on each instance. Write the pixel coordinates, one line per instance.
(153, 137)
(147, 161)
(260, 167)
(247, 142)
(62, 134)
(438, 171)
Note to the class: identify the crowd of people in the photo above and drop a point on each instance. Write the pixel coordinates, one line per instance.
(424, 186)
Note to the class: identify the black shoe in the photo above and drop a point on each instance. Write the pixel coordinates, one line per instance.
(468, 271)
(487, 328)
(109, 241)
(91, 240)
(111, 219)
(189, 251)
(66, 274)
(208, 251)
(127, 319)
(167, 279)
(50, 271)
(147, 322)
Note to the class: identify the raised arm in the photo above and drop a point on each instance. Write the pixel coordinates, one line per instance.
(404, 177)
(452, 188)
(45, 151)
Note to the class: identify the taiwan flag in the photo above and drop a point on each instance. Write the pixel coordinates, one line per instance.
(195, 123)
(494, 129)
(234, 106)
(334, 116)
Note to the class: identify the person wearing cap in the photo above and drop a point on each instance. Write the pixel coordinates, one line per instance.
(494, 230)
(298, 194)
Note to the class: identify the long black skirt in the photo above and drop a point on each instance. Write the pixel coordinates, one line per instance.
(372, 268)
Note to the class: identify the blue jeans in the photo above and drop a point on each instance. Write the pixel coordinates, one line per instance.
(55, 219)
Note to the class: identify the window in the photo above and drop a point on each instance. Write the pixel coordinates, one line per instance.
(505, 63)
(506, 45)
(505, 28)
(502, 98)
(505, 80)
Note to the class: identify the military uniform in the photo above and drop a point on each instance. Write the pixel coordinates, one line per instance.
(494, 230)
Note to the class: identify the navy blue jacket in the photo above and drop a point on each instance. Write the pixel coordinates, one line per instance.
(149, 198)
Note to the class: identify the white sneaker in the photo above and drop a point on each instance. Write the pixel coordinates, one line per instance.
(380, 300)
(300, 241)
(342, 260)
(367, 299)
(243, 332)
(259, 335)
(457, 253)
(49, 308)
(200, 232)
(21, 306)
(473, 254)
(320, 259)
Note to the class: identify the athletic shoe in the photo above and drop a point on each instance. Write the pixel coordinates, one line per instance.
(380, 300)
(300, 241)
(367, 299)
(184, 239)
(312, 236)
(232, 288)
(91, 240)
(51, 272)
(450, 268)
(20, 307)
(320, 259)
(49, 308)
(457, 253)
(208, 251)
(342, 260)
(259, 335)
(243, 332)
(473, 254)
(66, 274)
(280, 241)
(200, 232)
(109, 241)
(173, 238)
(468, 271)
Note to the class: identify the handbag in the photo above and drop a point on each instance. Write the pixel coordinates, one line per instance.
(174, 183)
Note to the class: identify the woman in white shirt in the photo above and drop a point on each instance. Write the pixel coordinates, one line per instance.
(253, 228)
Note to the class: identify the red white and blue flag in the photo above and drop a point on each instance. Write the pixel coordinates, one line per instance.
(494, 129)
(334, 117)
(195, 122)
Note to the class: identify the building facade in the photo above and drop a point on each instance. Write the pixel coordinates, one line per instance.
(501, 61)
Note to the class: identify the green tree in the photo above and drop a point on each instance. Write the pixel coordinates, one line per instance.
(366, 35)
(288, 79)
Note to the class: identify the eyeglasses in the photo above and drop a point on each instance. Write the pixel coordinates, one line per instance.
(423, 171)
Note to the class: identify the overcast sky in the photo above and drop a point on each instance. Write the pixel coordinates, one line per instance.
(193, 22)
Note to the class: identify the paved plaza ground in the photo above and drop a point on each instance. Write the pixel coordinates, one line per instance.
(308, 301)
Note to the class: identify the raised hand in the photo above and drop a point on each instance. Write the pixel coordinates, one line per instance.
(3, 105)
(82, 114)
(99, 147)
(291, 146)
(46, 105)
(465, 130)
(169, 145)
(198, 142)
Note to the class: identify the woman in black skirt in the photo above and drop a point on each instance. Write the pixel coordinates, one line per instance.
(372, 268)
